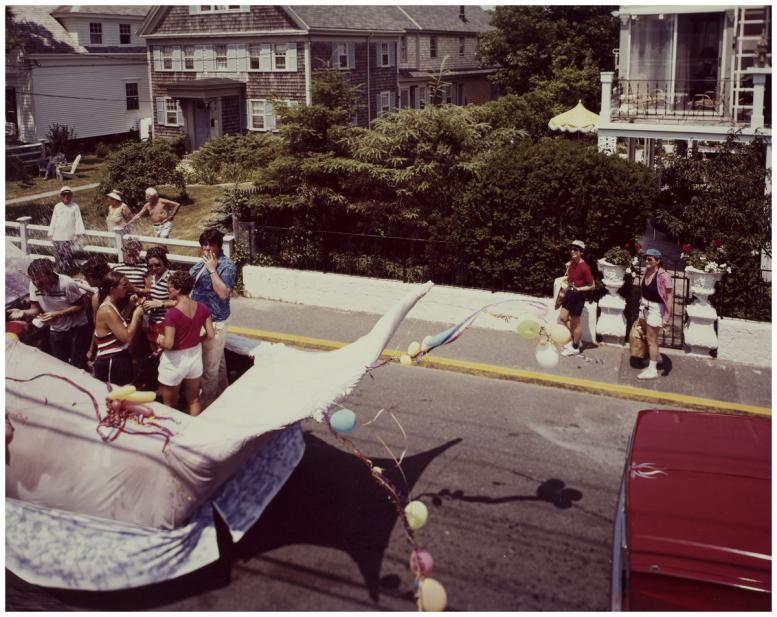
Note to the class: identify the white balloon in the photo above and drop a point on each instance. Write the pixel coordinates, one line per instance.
(547, 356)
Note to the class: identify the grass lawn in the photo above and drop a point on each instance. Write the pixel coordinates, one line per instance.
(87, 172)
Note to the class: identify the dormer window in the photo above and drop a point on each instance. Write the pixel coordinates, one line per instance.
(95, 34)
(219, 8)
(125, 34)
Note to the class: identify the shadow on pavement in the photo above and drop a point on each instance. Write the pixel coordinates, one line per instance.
(553, 491)
(330, 500)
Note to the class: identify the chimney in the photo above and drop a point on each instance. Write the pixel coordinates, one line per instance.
(462, 15)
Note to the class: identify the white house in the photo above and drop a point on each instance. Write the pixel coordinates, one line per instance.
(82, 66)
(691, 73)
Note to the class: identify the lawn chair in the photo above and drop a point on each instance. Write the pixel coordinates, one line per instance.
(62, 174)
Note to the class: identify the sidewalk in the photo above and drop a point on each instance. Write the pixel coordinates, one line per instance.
(27, 198)
(686, 381)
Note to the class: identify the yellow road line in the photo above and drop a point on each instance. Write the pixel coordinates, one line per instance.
(543, 379)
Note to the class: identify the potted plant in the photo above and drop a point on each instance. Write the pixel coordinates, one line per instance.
(704, 268)
(617, 263)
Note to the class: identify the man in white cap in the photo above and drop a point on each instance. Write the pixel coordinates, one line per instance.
(579, 280)
(65, 226)
(158, 212)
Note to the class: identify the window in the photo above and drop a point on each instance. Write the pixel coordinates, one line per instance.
(167, 58)
(253, 57)
(385, 57)
(461, 45)
(421, 97)
(221, 57)
(403, 49)
(432, 46)
(131, 92)
(95, 34)
(125, 34)
(171, 112)
(279, 56)
(260, 115)
(341, 56)
(218, 8)
(385, 103)
(188, 58)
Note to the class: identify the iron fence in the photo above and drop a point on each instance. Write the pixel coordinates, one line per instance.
(672, 99)
(753, 303)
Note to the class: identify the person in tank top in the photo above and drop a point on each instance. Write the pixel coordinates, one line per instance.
(654, 311)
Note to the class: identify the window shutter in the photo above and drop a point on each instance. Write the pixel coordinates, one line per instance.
(335, 58)
(232, 58)
(242, 57)
(291, 58)
(351, 55)
(157, 58)
(377, 53)
(269, 116)
(265, 57)
(177, 59)
(199, 60)
(180, 113)
(209, 58)
(194, 10)
(243, 115)
(378, 112)
(392, 54)
(392, 101)
(160, 110)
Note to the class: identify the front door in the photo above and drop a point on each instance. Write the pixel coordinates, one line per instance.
(201, 124)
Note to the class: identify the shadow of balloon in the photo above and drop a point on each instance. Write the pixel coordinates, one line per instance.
(332, 501)
(552, 491)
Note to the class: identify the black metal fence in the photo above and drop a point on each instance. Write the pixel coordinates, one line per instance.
(754, 302)
(632, 98)
(672, 336)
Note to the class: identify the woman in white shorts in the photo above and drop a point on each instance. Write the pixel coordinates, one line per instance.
(654, 312)
(181, 360)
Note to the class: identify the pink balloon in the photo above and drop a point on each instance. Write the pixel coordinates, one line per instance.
(423, 560)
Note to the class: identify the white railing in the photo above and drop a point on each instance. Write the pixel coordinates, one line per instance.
(28, 245)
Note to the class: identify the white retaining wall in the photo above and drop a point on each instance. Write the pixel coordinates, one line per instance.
(445, 305)
(749, 342)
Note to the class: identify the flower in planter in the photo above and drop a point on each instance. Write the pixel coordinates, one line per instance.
(711, 259)
(626, 255)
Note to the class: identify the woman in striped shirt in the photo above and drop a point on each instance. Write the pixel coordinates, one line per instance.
(156, 286)
(113, 363)
(132, 267)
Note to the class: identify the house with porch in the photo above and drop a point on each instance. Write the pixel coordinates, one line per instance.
(81, 66)
(692, 73)
(214, 69)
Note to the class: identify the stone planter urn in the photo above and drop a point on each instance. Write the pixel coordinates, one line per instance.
(699, 333)
(612, 323)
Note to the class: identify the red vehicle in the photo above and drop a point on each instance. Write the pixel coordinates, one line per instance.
(693, 522)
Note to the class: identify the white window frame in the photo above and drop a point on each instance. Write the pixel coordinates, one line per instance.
(218, 58)
(342, 52)
(462, 46)
(435, 47)
(168, 51)
(187, 57)
(276, 56)
(403, 49)
(218, 8)
(385, 53)
(385, 107)
(266, 118)
(172, 106)
(129, 96)
(95, 30)
(128, 33)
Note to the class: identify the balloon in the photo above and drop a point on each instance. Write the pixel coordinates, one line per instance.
(141, 396)
(528, 328)
(439, 339)
(425, 344)
(421, 560)
(547, 355)
(414, 349)
(417, 514)
(12, 335)
(343, 421)
(405, 360)
(120, 393)
(560, 334)
(432, 595)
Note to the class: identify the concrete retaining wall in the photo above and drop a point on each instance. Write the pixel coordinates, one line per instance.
(745, 341)
(445, 305)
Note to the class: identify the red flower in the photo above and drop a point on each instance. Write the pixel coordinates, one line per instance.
(717, 243)
(686, 248)
(638, 246)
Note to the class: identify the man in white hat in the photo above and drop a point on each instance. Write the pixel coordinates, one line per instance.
(579, 280)
(158, 212)
(65, 226)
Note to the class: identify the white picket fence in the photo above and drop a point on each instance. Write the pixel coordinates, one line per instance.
(29, 245)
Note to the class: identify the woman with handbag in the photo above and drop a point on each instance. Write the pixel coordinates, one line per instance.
(654, 311)
(580, 280)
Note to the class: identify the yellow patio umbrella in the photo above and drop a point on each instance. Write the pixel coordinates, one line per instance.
(576, 120)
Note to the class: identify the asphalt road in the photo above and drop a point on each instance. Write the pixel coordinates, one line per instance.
(520, 481)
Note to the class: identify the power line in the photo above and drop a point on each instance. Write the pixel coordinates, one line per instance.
(81, 98)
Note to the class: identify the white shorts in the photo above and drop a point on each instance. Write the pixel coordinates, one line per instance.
(162, 230)
(651, 313)
(175, 366)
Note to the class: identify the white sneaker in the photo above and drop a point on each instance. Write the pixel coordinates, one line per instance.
(648, 373)
(569, 350)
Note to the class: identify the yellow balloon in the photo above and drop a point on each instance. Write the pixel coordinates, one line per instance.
(405, 360)
(121, 393)
(560, 334)
(11, 335)
(528, 328)
(414, 349)
(141, 396)
(432, 595)
(417, 514)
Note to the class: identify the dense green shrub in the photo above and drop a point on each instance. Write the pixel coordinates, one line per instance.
(233, 157)
(101, 149)
(513, 224)
(61, 139)
(135, 166)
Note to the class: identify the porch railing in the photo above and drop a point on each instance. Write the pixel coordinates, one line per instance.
(672, 99)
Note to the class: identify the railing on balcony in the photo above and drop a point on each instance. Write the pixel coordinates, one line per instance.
(671, 100)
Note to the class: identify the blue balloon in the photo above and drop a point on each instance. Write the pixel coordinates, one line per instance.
(439, 339)
(343, 421)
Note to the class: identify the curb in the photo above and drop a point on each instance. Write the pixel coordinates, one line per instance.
(522, 376)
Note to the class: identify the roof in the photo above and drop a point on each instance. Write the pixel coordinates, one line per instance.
(699, 497)
(440, 18)
(41, 31)
(120, 10)
(351, 17)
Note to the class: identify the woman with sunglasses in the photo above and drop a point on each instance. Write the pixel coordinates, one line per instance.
(654, 311)
(159, 298)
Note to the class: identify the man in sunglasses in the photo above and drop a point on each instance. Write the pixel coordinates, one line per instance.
(579, 280)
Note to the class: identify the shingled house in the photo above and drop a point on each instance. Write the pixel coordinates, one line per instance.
(82, 66)
(215, 68)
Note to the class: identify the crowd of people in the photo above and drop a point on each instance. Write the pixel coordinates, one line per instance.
(140, 321)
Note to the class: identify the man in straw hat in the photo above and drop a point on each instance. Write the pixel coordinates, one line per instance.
(158, 211)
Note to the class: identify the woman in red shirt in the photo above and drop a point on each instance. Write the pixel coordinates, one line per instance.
(181, 360)
(579, 280)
